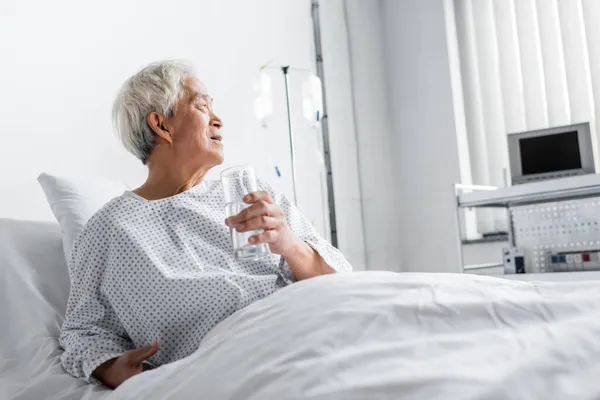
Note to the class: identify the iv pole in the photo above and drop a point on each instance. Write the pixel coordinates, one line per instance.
(324, 124)
(285, 69)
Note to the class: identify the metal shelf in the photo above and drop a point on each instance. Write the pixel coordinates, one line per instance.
(482, 266)
(539, 192)
(492, 239)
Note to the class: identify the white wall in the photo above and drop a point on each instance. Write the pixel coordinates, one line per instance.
(424, 139)
(405, 129)
(344, 155)
(373, 134)
(63, 61)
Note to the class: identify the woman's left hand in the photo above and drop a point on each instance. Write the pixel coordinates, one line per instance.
(265, 214)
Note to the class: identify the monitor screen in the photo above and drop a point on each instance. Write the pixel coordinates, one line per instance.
(550, 153)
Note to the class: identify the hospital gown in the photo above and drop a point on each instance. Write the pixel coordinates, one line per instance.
(164, 269)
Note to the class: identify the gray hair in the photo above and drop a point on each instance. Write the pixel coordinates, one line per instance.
(156, 88)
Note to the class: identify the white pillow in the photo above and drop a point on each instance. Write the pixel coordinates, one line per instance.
(34, 288)
(74, 200)
(34, 283)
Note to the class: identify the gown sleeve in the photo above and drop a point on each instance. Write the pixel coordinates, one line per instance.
(91, 333)
(302, 227)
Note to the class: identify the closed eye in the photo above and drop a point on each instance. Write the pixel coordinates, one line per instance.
(202, 107)
(202, 102)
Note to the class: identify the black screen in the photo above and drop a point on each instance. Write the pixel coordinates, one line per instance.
(550, 153)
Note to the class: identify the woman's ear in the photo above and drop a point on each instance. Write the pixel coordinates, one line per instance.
(157, 123)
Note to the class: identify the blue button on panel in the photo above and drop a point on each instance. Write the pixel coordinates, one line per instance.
(554, 260)
(563, 259)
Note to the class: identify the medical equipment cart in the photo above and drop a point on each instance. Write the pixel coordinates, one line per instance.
(553, 225)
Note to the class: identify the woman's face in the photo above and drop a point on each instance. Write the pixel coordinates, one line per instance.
(195, 129)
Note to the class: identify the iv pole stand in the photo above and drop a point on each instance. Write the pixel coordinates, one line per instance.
(285, 69)
(324, 123)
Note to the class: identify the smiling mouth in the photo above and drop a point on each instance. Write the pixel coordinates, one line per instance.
(218, 138)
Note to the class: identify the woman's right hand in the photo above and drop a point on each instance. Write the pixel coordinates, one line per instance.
(117, 370)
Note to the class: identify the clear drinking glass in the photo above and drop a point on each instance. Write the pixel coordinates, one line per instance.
(238, 182)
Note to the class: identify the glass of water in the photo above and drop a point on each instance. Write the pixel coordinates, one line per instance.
(238, 182)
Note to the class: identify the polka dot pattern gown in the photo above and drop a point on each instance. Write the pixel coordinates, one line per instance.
(144, 270)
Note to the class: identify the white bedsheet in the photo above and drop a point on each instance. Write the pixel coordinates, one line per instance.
(396, 336)
(34, 372)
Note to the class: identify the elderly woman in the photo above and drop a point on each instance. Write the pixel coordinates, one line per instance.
(153, 271)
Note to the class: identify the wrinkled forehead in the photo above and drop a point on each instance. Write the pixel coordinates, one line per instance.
(193, 87)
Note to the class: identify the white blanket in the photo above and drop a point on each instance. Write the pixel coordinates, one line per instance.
(381, 335)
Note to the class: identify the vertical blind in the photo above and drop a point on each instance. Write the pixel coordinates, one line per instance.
(525, 64)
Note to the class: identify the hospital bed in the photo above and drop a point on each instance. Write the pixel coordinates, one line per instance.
(348, 336)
